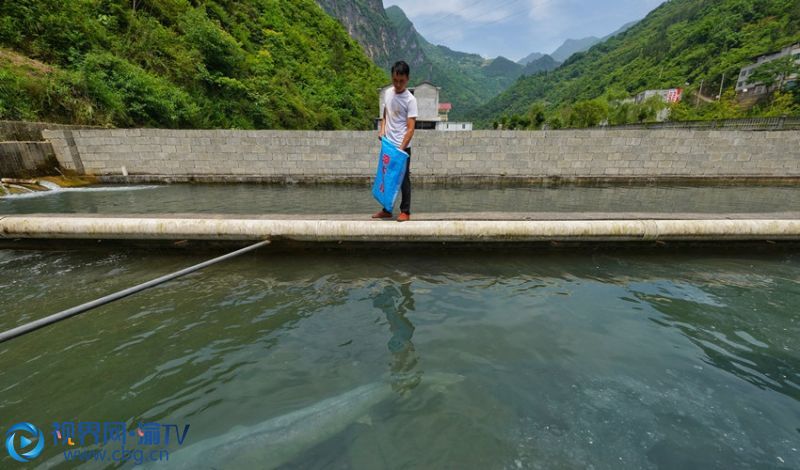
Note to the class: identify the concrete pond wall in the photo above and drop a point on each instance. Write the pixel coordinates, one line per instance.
(24, 152)
(238, 155)
(26, 131)
(27, 159)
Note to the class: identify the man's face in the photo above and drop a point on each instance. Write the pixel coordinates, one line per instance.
(399, 82)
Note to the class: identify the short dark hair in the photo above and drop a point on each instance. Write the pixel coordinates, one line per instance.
(401, 68)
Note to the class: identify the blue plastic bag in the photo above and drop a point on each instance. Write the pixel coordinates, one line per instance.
(391, 171)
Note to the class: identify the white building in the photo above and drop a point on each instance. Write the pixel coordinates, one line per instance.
(670, 95)
(744, 87)
(427, 95)
(453, 126)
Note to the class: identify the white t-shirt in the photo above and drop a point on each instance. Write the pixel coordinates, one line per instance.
(399, 108)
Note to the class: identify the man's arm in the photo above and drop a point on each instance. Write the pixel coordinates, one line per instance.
(383, 125)
(411, 123)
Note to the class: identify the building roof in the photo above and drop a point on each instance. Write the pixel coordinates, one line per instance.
(789, 48)
(445, 106)
(426, 82)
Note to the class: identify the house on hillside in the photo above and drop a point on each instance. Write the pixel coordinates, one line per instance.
(746, 89)
(453, 126)
(669, 96)
(444, 111)
(430, 111)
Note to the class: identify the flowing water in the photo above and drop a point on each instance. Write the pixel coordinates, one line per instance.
(254, 199)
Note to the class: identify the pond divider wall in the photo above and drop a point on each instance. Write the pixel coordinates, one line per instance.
(330, 156)
(646, 228)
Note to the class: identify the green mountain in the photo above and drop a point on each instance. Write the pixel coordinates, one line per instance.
(367, 23)
(542, 64)
(680, 42)
(502, 67)
(466, 80)
(572, 46)
(183, 63)
(530, 58)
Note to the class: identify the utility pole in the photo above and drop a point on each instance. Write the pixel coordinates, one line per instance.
(722, 84)
(697, 101)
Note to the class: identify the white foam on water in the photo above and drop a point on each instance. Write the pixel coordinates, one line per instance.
(50, 186)
(55, 189)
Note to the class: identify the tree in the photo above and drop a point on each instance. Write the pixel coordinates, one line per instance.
(776, 71)
(649, 109)
(782, 105)
(536, 115)
(588, 113)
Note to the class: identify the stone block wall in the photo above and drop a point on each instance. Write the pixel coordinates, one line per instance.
(24, 131)
(340, 154)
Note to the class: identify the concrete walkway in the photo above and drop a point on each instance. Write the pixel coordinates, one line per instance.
(453, 227)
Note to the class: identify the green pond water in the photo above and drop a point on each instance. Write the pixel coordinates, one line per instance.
(254, 199)
(590, 360)
(553, 360)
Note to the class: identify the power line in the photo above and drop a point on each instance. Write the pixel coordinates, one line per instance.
(452, 13)
(471, 18)
(481, 25)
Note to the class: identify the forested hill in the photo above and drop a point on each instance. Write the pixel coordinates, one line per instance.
(466, 80)
(680, 42)
(183, 63)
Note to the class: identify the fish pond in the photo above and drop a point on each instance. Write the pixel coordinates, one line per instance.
(349, 199)
(405, 359)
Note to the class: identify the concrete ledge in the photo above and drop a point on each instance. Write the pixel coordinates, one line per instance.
(429, 229)
(459, 180)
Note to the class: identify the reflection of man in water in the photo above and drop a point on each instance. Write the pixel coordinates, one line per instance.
(394, 302)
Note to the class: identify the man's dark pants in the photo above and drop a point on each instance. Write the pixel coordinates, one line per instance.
(405, 188)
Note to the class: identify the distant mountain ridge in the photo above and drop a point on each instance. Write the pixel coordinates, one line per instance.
(573, 46)
(542, 64)
(387, 35)
(466, 80)
(530, 58)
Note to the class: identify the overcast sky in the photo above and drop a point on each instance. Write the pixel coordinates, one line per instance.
(515, 28)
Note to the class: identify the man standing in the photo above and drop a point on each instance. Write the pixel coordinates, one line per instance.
(399, 118)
